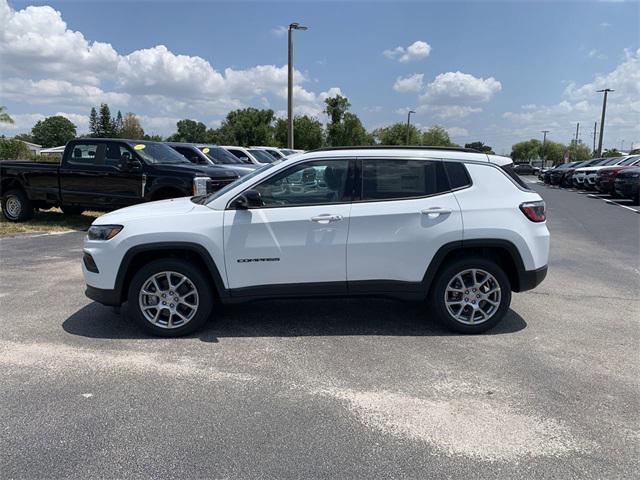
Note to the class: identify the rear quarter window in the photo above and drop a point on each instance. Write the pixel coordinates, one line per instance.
(457, 175)
(508, 169)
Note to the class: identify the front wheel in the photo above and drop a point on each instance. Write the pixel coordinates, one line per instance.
(170, 297)
(471, 295)
(16, 206)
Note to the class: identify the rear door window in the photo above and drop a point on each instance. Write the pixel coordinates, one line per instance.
(395, 179)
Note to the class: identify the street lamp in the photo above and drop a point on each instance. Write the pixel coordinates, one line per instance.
(409, 123)
(604, 109)
(293, 26)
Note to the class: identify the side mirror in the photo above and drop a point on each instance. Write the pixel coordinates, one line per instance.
(249, 199)
(134, 165)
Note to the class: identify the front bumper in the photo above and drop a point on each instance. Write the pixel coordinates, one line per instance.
(626, 189)
(111, 298)
(530, 279)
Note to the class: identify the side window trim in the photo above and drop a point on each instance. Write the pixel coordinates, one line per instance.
(345, 200)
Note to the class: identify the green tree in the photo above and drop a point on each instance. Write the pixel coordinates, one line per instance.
(25, 137)
(308, 132)
(93, 123)
(480, 146)
(117, 125)
(153, 138)
(437, 136)
(344, 128)
(189, 131)
(131, 127)
(611, 152)
(12, 149)
(579, 152)
(4, 116)
(248, 126)
(106, 124)
(396, 134)
(526, 151)
(53, 131)
(553, 152)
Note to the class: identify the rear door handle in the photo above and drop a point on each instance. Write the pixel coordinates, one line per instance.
(327, 218)
(436, 211)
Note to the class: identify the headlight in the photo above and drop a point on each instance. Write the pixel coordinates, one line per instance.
(103, 232)
(200, 185)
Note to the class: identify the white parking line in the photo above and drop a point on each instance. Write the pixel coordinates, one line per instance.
(600, 197)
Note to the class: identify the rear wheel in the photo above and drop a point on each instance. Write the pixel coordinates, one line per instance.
(16, 206)
(170, 297)
(471, 295)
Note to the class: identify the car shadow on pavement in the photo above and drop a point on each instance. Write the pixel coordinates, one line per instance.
(289, 318)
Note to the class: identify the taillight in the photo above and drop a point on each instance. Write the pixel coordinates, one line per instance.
(534, 211)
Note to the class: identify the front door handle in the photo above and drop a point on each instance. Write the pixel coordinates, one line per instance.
(435, 211)
(327, 218)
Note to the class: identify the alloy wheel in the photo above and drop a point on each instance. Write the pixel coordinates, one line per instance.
(472, 296)
(168, 300)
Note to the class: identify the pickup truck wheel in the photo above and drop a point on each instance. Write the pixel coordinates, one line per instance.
(16, 206)
(471, 295)
(71, 210)
(170, 297)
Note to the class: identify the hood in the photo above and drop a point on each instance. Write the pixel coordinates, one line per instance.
(213, 171)
(161, 208)
(589, 169)
(241, 168)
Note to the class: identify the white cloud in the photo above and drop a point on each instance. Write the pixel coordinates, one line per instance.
(582, 103)
(458, 131)
(595, 53)
(45, 62)
(416, 51)
(605, 24)
(412, 83)
(457, 87)
(279, 31)
(23, 122)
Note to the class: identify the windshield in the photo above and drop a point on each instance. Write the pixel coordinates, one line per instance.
(611, 161)
(629, 161)
(240, 181)
(274, 153)
(220, 155)
(261, 155)
(158, 153)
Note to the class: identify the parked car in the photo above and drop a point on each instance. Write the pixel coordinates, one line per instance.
(304, 227)
(523, 169)
(105, 174)
(556, 174)
(252, 155)
(580, 174)
(605, 178)
(567, 177)
(273, 151)
(627, 184)
(211, 155)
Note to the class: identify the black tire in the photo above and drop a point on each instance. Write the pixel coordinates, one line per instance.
(16, 206)
(446, 274)
(71, 210)
(195, 276)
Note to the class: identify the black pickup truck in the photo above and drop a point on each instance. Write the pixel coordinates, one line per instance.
(105, 174)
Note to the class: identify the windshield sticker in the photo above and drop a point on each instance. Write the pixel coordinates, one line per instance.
(139, 146)
(205, 150)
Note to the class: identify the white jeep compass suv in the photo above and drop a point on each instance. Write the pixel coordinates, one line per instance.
(453, 226)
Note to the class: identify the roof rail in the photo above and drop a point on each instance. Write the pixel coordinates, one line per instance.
(397, 147)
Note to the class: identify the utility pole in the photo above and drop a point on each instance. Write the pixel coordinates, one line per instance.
(595, 130)
(544, 140)
(577, 132)
(604, 110)
(292, 27)
(409, 124)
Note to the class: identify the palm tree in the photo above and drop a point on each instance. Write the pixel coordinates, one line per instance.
(4, 116)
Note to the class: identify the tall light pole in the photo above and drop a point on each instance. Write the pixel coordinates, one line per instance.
(544, 140)
(292, 27)
(604, 109)
(409, 123)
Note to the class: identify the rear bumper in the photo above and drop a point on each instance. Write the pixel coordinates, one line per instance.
(530, 279)
(111, 298)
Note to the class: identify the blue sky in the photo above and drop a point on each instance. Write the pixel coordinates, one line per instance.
(492, 71)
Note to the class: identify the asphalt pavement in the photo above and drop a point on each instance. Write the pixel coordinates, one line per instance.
(358, 388)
